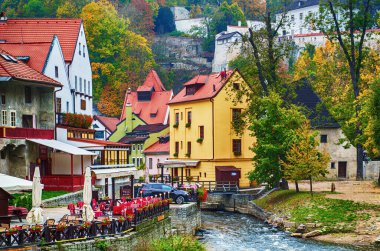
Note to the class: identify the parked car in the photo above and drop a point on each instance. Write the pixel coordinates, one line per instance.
(152, 189)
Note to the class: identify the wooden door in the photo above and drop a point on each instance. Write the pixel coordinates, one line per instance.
(27, 121)
(342, 169)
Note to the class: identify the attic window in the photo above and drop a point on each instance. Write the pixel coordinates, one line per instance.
(236, 86)
(153, 115)
(9, 58)
(192, 89)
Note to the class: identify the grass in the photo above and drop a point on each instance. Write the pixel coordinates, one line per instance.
(335, 215)
(25, 199)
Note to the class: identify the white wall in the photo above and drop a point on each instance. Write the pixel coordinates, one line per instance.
(99, 127)
(225, 51)
(56, 59)
(61, 163)
(155, 160)
(185, 25)
(180, 13)
(80, 68)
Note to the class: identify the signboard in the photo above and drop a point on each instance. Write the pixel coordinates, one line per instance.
(126, 191)
(233, 174)
(160, 218)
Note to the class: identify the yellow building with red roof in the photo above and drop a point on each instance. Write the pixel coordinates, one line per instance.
(203, 142)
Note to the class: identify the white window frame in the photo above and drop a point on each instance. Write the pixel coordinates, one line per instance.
(12, 112)
(4, 117)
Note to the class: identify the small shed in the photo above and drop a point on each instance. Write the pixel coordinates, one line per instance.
(4, 203)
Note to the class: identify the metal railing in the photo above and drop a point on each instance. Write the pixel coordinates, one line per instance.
(76, 232)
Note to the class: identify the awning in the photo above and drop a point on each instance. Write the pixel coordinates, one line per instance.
(13, 184)
(58, 145)
(227, 169)
(180, 163)
(113, 172)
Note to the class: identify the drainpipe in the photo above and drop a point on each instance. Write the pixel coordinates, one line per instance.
(55, 111)
(213, 134)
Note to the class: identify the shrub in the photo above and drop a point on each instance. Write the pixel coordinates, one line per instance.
(177, 243)
(202, 194)
(175, 125)
(188, 125)
(76, 120)
(200, 140)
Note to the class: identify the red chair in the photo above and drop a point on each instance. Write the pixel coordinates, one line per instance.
(71, 208)
(117, 210)
(94, 204)
(80, 204)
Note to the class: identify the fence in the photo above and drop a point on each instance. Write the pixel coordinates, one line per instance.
(87, 230)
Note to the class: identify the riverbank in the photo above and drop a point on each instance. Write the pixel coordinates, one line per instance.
(322, 218)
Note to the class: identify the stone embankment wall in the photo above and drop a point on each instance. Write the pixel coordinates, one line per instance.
(137, 240)
(186, 219)
(63, 200)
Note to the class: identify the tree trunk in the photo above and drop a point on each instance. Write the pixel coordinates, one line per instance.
(297, 188)
(359, 162)
(311, 186)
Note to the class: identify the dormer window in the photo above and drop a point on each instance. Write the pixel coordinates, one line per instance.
(192, 89)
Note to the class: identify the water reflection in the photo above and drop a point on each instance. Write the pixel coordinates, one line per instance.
(223, 231)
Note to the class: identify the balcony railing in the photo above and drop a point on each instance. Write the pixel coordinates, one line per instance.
(63, 182)
(26, 133)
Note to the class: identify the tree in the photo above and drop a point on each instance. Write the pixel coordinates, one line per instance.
(304, 160)
(274, 126)
(349, 31)
(140, 15)
(251, 7)
(35, 8)
(109, 101)
(164, 22)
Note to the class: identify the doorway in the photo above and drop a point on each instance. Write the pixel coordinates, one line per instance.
(27, 121)
(342, 169)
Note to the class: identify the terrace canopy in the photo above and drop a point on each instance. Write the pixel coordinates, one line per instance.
(13, 184)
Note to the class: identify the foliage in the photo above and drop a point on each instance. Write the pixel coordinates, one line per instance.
(102, 245)
(195, 11)
(164, 22)
(202, 194)
(140, 14)
(335, 215)
(25, 199)
(120, 58)
(274, 125)
(35, 8)
(176, 243)
(250, 7)
(76, 120)
(304, 160)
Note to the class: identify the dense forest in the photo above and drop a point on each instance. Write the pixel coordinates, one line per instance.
(120, 34)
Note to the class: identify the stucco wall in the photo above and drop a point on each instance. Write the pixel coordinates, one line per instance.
(155, 160)
(185, 25)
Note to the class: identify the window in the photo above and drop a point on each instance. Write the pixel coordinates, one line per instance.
(301, 16)
(189, 148)
(80, 45)
(236, 114)
(138, 147)
(332, 165)
(187, 172)
(202, 132)
(133, 147)
(13, 118)
(150, 163)
(292, 17)
(56, 71)
(67, 106)
(176, 147)
(89, 87)
(83, 104)
(76, 83)
(153, 115)
(84, 51)
(236, 86)
(189, 117)
(28, 94)
(200, 174)
(300, 30)
(323, 138)
(167, 188)
(84, 86)
(204, 175)
(219, 41)
(4, 117)
(236, 146)
(3, 99)
(134, 161)
(177, 118)
(58, 105)
(80, 84)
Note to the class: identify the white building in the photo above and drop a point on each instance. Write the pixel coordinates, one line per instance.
(104, 126)
(66, 60)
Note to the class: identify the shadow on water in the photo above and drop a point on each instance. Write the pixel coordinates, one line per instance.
(224, 231)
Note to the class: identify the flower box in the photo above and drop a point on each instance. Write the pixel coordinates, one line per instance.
(175, 125)
(188, 125)
(175, 154)
(200, 140)
(130, 217)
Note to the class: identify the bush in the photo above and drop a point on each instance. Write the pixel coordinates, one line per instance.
(22, 200)
(176, 243)
(76, 120)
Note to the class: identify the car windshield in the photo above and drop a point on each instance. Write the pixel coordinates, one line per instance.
(157, 186)
(166, 188)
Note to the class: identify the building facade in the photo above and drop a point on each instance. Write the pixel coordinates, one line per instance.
(203, 142)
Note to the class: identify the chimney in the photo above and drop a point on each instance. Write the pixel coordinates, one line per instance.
(129, 91)
(239, 23)
(3, 17)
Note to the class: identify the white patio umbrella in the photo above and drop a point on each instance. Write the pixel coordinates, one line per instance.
(88, 213)
(35, 214)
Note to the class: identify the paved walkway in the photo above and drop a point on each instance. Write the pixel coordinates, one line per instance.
(360, 191)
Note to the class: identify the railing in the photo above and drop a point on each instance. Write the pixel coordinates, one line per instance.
(26, 133)
(62, 182)
(214, 186)
(77, 232)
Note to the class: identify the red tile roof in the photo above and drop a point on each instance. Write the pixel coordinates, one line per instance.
(37, 52)
(108, 122)
(213, 83)
(158, 148)
(32, 30)
(151, 128)
(18, 70)
(157, 105)
(99, 142)
(152, 80)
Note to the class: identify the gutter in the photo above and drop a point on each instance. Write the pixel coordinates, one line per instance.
(213, 133)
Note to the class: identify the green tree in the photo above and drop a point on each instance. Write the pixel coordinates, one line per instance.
(35, 8)
(304, 160)
(164, 22)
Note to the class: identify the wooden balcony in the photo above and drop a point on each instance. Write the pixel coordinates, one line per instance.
(63, 182)
(25, 133)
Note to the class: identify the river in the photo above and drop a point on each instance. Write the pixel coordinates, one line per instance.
(223, 231)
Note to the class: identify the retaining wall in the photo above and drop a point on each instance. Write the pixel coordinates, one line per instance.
(63, 200)
(186, 219)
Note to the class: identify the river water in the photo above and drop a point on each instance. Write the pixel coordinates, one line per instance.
(224, 231)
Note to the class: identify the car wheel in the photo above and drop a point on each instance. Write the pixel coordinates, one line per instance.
(180, 199)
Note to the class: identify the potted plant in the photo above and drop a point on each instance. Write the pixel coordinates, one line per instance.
(188, 124)
(200, 140)
(61, 227)
(140, 209)
(13, 230)
(121, 219)
(175, 125)
(85, 225)
(189, 178)
(202, 194)
(237, 153)
(175, 155)
(36, 229)
(106, 221)
(151, 205)
(187, 155)
(170, 200)
(130, 217)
